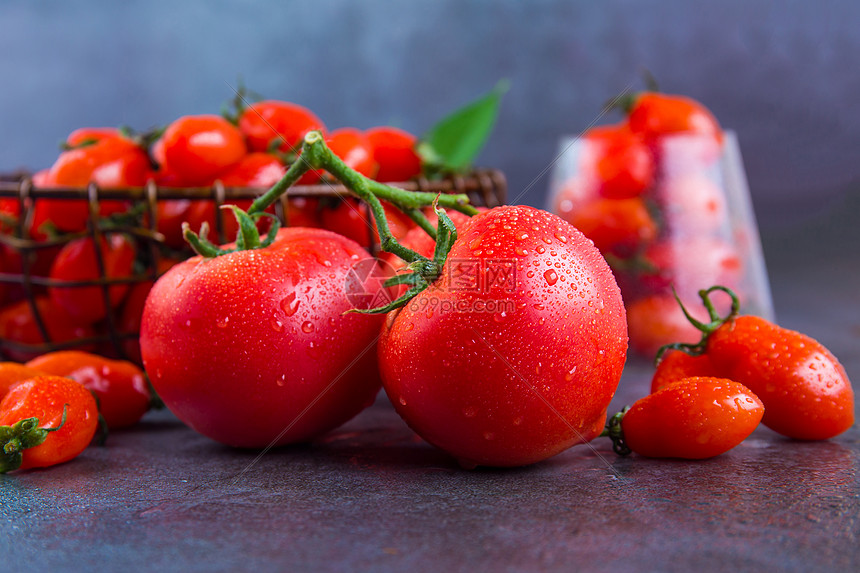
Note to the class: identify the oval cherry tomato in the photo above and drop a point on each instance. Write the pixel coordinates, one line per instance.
(622, 162)
(264, 121)
(13, 373)
(803, 386)
(18, 325)
(394, 151)
(199, 147)
(44, 399)
(77, 262)
(253, 348)
(515, 352)
(656, 114)
(122, 392)
(676, 365)
(693, 419)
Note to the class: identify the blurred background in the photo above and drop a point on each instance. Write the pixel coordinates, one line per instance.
(783, 75)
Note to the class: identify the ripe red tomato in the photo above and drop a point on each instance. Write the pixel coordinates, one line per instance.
(655, 114)
(394, 151)
(111, 163)
(12, 374)
(676, 365)
(44, 399)
(122, 391)
(77, 262)
(254, 170)
(199, 147)
(264, 121)
(91, 135)
(253, 348)
(803, 386)
(617, 226)
(351, 218)
(303, 212)
(355, 149)
(622, 162)
(515, 352)
(18, 326)
(693, 419)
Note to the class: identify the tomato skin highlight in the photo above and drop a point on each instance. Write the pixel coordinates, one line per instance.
(804, 387)
(239, 346)
(491, 388)
(43, 398)
(694, 418)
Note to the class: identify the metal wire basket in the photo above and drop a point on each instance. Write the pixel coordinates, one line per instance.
(484, 187)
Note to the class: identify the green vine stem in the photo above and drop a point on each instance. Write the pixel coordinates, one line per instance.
(315, 154)
(20, 436)
(706, 328)
(615, 433)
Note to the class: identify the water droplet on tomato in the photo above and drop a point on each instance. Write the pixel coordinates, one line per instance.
(290, 304)
(551, 277)
(402, 401)
(489, 436)
(518, 420)
(277, 325)
(470, 412)
(540, 249)
(307, 327)
(282, 380)
(222, 323)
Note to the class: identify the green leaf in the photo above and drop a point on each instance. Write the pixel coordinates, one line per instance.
(454, 142)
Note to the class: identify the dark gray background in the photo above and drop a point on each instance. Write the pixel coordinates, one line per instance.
(784, 75)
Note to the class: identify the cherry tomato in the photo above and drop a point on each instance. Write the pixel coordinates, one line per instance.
(44, 399)
(656, 320)
(693, 419)
(253, 348)
(394, 151)
(356, 150)
(617, 226)
(13, 373)
(676, 365)
(803, 386)
(515, 352)
(199, 147)
(622, 162)
(90, 135)
(77, 262)
(18, 326)
(254, 170)
(131, 313)
(303, 212)
(111, 163)
(264, 121)
(170, 214)
(351, 218)
(656, 114)
(122, 392)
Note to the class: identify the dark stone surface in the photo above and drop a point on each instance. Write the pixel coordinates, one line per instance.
(372, 497)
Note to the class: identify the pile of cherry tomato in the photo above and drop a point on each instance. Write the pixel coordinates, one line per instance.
(647, 192)
(254, 150)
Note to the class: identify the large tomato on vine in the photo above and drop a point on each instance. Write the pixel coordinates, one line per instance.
(515, 352)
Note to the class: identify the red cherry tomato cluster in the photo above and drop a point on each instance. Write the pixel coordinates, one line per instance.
(707, 397)
(646, 193)
(255, 150)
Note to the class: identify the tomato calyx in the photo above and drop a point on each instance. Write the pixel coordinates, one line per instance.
(20, 436)
(247, 239)
(615, 433)
(706, 328)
